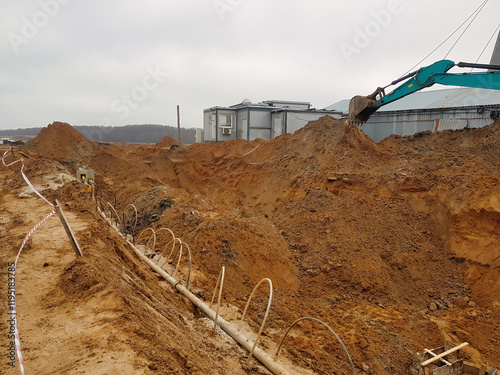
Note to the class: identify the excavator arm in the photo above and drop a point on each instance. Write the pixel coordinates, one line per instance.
(362, 107)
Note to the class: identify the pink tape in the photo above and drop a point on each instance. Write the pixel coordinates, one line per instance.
(14, 312)
(24, 176)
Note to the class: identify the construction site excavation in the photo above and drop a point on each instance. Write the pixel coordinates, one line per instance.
(317, 252)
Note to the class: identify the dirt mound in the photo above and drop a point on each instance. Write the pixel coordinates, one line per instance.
(328, 131)
(168, 141)
(60, 141)
(393, 244)
(320, 138)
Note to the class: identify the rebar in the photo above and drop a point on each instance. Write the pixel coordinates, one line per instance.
(220, 280)
(265, 316)
(326, 325)
(273, 366)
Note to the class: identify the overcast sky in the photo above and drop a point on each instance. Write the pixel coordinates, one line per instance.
(119, 62)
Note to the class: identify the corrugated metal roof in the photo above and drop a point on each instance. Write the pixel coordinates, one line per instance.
(342, 106)
(448, 98)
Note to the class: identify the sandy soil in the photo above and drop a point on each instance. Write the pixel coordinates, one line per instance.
(394, 244)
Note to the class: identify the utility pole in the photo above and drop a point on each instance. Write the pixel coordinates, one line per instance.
(178, 123)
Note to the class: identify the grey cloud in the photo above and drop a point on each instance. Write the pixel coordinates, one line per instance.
(90, 54)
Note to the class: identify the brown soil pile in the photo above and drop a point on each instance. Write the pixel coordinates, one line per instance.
(60, 141)
(168, 141)
(393, 244)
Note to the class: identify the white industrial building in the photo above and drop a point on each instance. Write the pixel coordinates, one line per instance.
(267, 119)
(452, 108)
(456, 108)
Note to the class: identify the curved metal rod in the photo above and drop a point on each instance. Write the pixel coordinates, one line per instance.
(125, 220)
(103, 205)
(188, 282)
(135, 223)
(165, 248)
(265, 316)
(144, 231)
(172, 233)
(245, 342)
(172, 241)
(117, 217)
(123, 217)
(167, 229)
(172, 273)
(105, 197)
(105, 209)
(220, 280)
(326, 325)
(115, 214)
(178, 261)
(97, 202)
(140, 234)
(173, 248)
(110, 213)
(153, 236)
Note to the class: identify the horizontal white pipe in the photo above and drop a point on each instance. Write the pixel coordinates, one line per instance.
(273, 366)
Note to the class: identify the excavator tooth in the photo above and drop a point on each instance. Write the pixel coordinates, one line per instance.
(355, 123)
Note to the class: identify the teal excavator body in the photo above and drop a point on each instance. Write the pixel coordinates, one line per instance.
(362, 107)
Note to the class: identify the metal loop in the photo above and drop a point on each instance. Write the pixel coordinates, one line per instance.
(220, 280)
(324, 324)
(266, 314)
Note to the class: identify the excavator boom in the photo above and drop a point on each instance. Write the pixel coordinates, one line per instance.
(362, 107)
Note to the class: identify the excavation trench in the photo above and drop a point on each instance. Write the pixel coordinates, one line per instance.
(267, 361)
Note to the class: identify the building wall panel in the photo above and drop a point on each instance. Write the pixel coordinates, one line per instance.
(209, 127)
(259, 133)
(383, 124)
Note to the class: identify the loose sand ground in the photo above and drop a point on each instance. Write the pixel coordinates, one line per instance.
(394, 244)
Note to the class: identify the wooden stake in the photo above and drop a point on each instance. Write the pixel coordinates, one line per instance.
(444, 354)
(70, 234)
(434, 355)
(178, 124)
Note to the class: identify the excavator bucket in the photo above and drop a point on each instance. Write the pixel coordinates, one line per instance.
(361, 108)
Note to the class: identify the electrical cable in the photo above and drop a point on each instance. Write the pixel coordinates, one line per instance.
(470, 23)
(486, 46)
(453, 33)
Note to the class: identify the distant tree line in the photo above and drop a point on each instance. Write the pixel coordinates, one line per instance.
(128, 133)
(14, 132)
